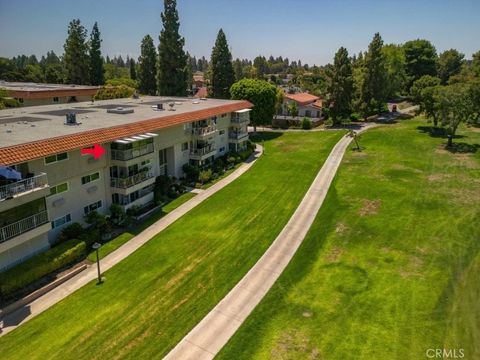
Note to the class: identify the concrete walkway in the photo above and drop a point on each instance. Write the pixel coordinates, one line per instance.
(20, 316)
(206, 339)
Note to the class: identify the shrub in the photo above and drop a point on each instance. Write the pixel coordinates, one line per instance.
(191, 172)
(306, 123)
(90, 236)
(135, 210)
(118, 215)
(72, 231)
(328, 122)
(205, 176)
(40, 265)
(114, 92)
(355, 117)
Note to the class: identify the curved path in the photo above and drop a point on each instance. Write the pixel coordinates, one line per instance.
(25, 313)
(208, 337)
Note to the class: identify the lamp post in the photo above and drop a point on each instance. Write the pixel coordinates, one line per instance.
(97, 246)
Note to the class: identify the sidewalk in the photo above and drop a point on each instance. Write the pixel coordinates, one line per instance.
(206, 339)
(20, 316)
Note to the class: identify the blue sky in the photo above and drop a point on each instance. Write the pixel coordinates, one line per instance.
(310, 30)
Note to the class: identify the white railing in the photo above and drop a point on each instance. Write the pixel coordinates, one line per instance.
(202, 151)
(22, 226)
(123, 183)
(240, 119)
(203, 131)
(21, 186)
(237, 135)
(123, 155)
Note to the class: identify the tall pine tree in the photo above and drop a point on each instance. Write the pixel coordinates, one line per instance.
(221, 72)
(147, 67)
(340, 86)
(76, 54)
(96, 60)
(172, 61)
(374, 87)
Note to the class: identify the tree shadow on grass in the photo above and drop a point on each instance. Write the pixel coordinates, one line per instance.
(437, 132)
(265, 135)
(463, 148)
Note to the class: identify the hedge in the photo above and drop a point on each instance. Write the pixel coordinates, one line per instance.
(40, 265)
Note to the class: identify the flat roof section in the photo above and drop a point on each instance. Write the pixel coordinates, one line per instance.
(29, 90)
(22, 141)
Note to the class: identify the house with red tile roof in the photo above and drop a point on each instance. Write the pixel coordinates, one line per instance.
(308, 105)
(47, 183)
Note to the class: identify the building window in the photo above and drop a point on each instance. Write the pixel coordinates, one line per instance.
(222, 149)
(92, 207)
(54, 158)
(55, 99)
(61, 221)
(20, 100)
(89, 178)
(58, 188)
(185, 146)
(222, 132)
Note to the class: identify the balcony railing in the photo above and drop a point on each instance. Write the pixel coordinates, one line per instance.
(124, 183)
(124, 155)
(239, 119)
(125, 200)
(237, 135)
(18, 187)
(22, 226)
(202, 151)
(203, 131)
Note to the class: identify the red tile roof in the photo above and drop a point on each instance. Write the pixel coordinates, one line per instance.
(302, 98)
(37, 149)
(317, 104)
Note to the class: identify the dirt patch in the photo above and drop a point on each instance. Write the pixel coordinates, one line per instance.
(370, 207)
(334, 254)
(405, 168)
(184, 272)
(341, 228)
(437, 177)
(307, 314)
(413, 269)
(287, 147)
(294, 344)
(466, 160)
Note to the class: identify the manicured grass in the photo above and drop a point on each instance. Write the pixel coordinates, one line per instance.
(121, 239)
(156, 295)
(390, 267)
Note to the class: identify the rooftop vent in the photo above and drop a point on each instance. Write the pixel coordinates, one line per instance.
(172, 106)
(120, 110)
(71, 119)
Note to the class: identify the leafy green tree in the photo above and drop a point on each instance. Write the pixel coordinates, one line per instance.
(147, 67)
(454, 106)
(238, 69)
(476, 63)
(373, 88)
(279, 100)
(449, 64)
(340, 86)
(261, 94)
(76, 54)
(34, 73)
(221, 71)
(422, 92)
(261, 66)
(292, 109)
(172, 60)
(395, 65)
(96, 60)
(133, 71)
(420, 59)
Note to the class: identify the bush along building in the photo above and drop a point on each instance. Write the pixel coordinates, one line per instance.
(47, 182)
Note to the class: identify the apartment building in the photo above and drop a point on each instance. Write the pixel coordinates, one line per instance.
(34, 94)
(143, 138)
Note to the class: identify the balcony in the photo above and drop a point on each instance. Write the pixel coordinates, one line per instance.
(19, 187)
(124, 155)
(238, 135)
(17, 228)
(202, 131)
(201, 153)
(124, 183)
(240, 119)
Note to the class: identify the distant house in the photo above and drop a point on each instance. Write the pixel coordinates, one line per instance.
(198, 80)
(308, 105)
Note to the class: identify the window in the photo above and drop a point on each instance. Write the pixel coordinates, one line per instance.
(222, 149)
(55, 99)
(20, 100)
(61, 221)
(89, 208)
(89, 178)
(222, 132)
(185, 146)
(54, 158)
(58, 188)
(224, 115)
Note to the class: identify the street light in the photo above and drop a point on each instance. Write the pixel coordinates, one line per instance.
(97, 246)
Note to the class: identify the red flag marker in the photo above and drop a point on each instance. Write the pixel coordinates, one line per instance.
(97, 151)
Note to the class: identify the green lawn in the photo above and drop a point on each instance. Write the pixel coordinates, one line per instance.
(155, 296)
(121, 239)
(391, 266)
